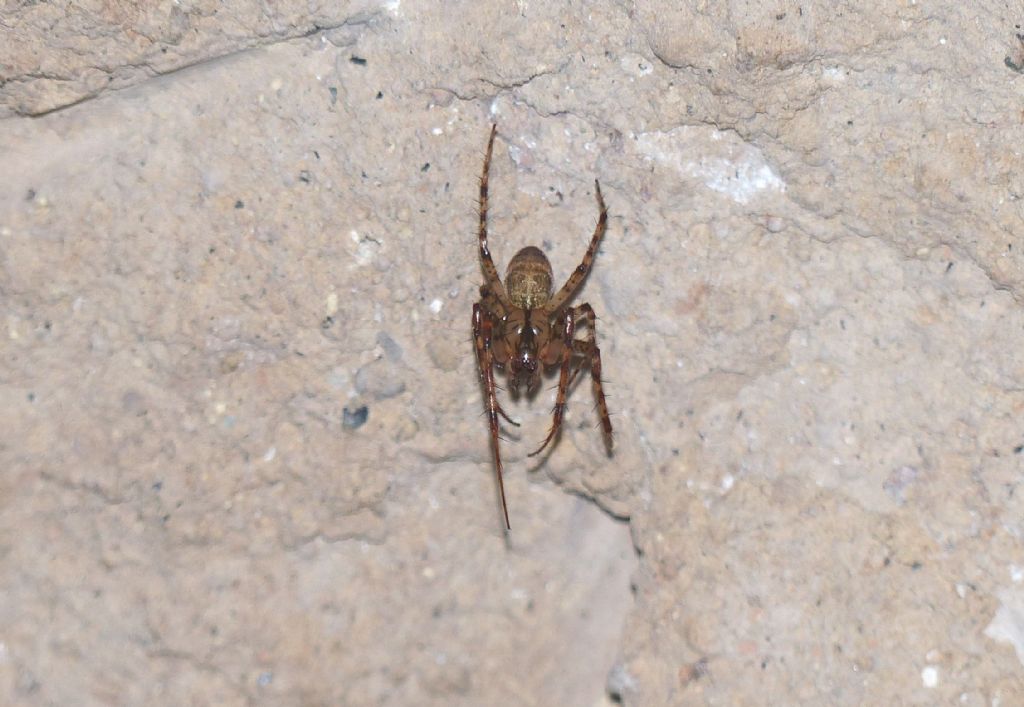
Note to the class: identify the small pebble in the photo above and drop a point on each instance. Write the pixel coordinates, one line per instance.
(445, 354)
(378, 379)
(392, 349)
(354, 419)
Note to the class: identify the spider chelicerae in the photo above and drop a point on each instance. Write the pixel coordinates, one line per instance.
(521, 326)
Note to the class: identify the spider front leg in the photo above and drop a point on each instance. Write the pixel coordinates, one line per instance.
(583, 269)
(563, 381)
(486, 262)
(482, 327)
(589, 349)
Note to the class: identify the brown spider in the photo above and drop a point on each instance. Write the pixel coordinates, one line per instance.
(521, 326)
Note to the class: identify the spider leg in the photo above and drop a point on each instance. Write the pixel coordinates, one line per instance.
(578, 368)
(485, 360)
(492, 280)
(563, 381)
(589, 349)
(508, 419)
(574, 281)
(483, 375)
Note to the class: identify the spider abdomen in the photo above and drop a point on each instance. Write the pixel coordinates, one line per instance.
(528, 278)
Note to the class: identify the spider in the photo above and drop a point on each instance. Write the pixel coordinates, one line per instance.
(523, 327)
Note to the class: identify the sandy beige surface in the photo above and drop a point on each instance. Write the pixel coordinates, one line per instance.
(244, 461)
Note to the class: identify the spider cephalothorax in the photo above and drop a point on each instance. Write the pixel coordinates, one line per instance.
(523, 327)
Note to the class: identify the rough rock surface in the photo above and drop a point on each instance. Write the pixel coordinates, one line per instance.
(244, 458)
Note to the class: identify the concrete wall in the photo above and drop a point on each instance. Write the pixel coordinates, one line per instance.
(241, 436)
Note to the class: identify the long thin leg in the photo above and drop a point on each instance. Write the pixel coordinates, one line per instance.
(574, 281)
(485, 360)
(563, 382)
(492, 280)
(589, 349)
(485, 293)
(507, 419)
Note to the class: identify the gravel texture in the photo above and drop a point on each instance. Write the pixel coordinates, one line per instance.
(240, 421)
